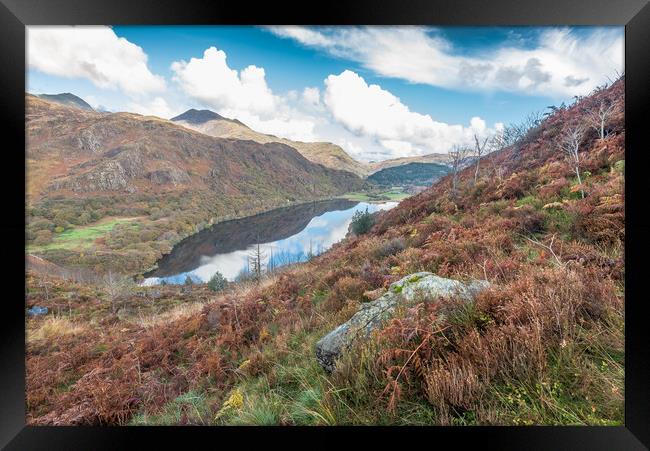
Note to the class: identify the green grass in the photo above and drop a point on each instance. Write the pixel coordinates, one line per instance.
(81, 237)
(298, 392)
(193, 407)
(396, 193)
(530, 200)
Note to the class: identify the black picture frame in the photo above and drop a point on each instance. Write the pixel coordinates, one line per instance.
(633, 14)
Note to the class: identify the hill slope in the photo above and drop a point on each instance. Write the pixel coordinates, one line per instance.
(409, 174)
(544, 345)
(438, 158)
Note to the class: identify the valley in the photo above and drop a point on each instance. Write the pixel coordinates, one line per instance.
(89, 173)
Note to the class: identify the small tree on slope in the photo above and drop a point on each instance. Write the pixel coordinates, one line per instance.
(217, 282)
(480, 150)
(599, 117)
(569, 144)
(458, 155)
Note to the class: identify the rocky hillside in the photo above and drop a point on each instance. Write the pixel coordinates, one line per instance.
(76, 152)
(327, 154)
(542, 342)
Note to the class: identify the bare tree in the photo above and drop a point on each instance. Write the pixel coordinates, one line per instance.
(569, 144)
(256, 261)
(599, 117)
(115, 287)
(515, 134)
(480, 150)
(458, 154)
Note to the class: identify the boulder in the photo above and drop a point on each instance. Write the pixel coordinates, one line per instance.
(37, 310)
(422, 285)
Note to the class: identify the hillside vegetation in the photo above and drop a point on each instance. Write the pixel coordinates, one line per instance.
(543, 345)
(418, 174)
(439, 158)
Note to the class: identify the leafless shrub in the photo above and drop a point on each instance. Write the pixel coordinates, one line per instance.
(569, 144)
(458, 154)
(116, 287)
(597, 118)
(481, 149)
(518, 133)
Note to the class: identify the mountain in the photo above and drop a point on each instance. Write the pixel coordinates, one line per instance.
(328, 154)
(415, 174)
(73, 151)
(197, 117)
(439, 158)
(210, 123)
(67, 99)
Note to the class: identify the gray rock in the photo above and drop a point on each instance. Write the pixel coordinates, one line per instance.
(125, 312)
(422, 285)
(37, 310)
(169, 175)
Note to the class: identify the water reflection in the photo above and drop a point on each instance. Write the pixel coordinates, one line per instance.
(286, 235)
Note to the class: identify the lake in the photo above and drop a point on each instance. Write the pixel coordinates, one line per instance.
(284, 235)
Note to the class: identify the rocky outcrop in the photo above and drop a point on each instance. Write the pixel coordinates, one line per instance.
(169, 175)
(418, 286)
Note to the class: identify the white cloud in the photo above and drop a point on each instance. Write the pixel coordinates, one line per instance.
(154, 107)
(95, 53)
(398, 148)
(287, 124)
(244, 95)
(311, 96)
(211, 81)
(562, 63)
(369, 110)
(303, 35)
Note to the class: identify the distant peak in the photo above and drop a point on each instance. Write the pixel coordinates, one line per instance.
(198, 116)
(67, 98)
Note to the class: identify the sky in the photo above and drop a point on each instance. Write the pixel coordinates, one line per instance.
(379, 92)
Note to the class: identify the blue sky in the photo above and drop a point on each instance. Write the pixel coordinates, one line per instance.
(379, 92)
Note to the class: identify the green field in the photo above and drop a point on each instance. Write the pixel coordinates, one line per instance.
(82, 237)
(395, 193)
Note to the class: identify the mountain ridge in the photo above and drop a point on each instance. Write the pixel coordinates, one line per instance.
(95, 152)
(213, 124)
(194, 116)
(325, 153)
(67, 98)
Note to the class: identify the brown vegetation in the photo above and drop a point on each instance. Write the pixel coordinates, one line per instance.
(543, 346)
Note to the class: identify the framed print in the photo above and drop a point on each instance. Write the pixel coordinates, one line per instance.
(417, 215)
